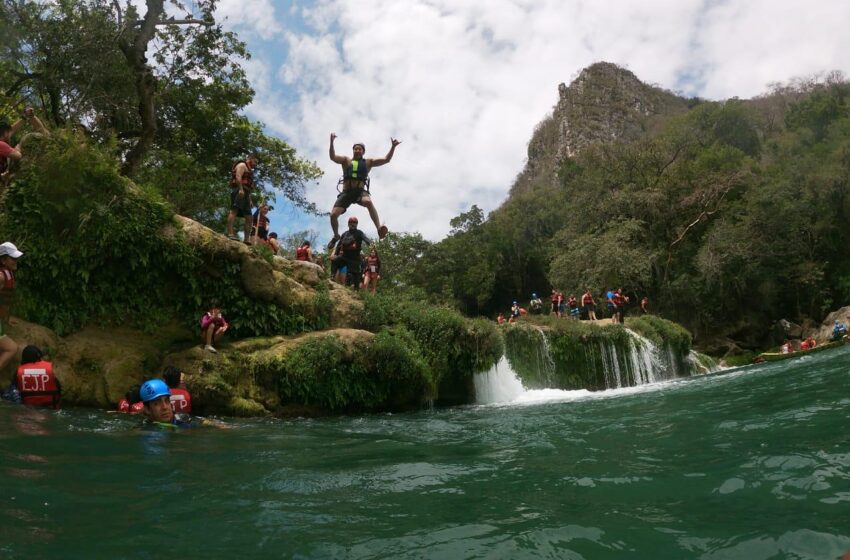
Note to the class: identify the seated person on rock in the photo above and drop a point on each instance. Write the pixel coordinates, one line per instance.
(273, 243)
(213, 326)
(304, 252)
(536, 304)
(181, 400)
(839, 330)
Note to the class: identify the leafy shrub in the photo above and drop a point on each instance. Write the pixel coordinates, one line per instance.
(97, 251)
(389, 372)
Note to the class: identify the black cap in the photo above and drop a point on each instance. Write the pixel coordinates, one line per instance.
(31, 354)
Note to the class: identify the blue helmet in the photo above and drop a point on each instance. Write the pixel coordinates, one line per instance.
(153, 389)
(514, 303)
(534, 295)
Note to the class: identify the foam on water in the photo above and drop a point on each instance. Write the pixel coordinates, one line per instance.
(501, 386)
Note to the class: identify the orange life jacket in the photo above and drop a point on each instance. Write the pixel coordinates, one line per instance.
(37, 384)
(181, 400)
(247, 176)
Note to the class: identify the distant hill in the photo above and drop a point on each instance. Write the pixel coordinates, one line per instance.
(603, 104)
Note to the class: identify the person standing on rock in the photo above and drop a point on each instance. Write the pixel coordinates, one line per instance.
(348, 253)
(589, 304)
(355, 182)
(241, 185)
(9, 256)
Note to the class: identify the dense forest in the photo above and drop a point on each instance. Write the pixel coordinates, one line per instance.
(728, 215)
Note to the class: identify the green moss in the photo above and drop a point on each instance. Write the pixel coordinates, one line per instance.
(740, 359)
(582, 354)
(387, 373)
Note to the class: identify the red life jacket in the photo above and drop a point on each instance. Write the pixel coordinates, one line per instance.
(38, 385)
(587, 299)
(619, 300)
(301, 253)
(373, 264)
(181, 401)
(572, 302)
(247, 176)
(135, 408)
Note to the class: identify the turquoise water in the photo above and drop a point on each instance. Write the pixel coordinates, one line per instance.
(749, 464)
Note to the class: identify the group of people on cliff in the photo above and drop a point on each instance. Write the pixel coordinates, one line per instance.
(35, 382)
(616, 305)
(348, 265)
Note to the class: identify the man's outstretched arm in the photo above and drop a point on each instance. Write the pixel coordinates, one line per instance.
(386, 159)
(331, 152)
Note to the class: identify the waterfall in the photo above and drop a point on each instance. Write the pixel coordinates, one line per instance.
(707, 365)
(644, 358)
(499, 384)
(544, 357)
(618, 359)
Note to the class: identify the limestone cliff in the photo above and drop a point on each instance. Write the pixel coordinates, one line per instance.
(604, 103)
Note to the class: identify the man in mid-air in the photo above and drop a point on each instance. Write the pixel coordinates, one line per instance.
(355, 172)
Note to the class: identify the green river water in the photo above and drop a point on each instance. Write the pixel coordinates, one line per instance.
(752, 463)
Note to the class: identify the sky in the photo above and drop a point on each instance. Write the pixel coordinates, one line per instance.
(462, 83)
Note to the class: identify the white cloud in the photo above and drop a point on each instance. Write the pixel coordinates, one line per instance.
(251, 16)
(464, 82)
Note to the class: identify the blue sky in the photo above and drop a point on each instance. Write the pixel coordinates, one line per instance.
(464, 82)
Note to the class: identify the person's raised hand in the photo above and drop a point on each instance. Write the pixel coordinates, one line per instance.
(395, 142)
(333, 136)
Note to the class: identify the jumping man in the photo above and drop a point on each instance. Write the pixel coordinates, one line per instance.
(355, 172)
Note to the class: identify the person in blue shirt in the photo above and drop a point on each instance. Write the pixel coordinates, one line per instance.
(839, 330)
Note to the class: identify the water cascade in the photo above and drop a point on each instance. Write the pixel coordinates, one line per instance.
(544, 358)
(499, 384)
(618, 359)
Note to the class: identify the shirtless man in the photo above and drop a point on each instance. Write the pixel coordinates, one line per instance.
(355, 171)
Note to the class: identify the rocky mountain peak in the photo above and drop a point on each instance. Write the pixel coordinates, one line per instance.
(604, 103)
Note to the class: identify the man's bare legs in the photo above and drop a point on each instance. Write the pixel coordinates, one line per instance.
(366, 201)
(8, 349)
(336, 212)
(231, 217)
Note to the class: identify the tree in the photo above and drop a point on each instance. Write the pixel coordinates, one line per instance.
(164, 92)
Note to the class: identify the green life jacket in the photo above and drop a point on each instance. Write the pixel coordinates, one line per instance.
(356, 170)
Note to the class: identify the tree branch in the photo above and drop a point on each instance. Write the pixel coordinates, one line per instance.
(145, 83)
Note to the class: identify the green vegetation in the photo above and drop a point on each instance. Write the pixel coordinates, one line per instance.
(164, 99)
(581, 354)
(389, 373)
(727, 215)
(453, 347)
(98, 251)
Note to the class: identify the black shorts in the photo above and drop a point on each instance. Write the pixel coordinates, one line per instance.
(352, 264)
(240, 203)
(590, 307)
(349, 196)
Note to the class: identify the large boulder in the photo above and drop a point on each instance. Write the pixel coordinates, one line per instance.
(824, 332)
